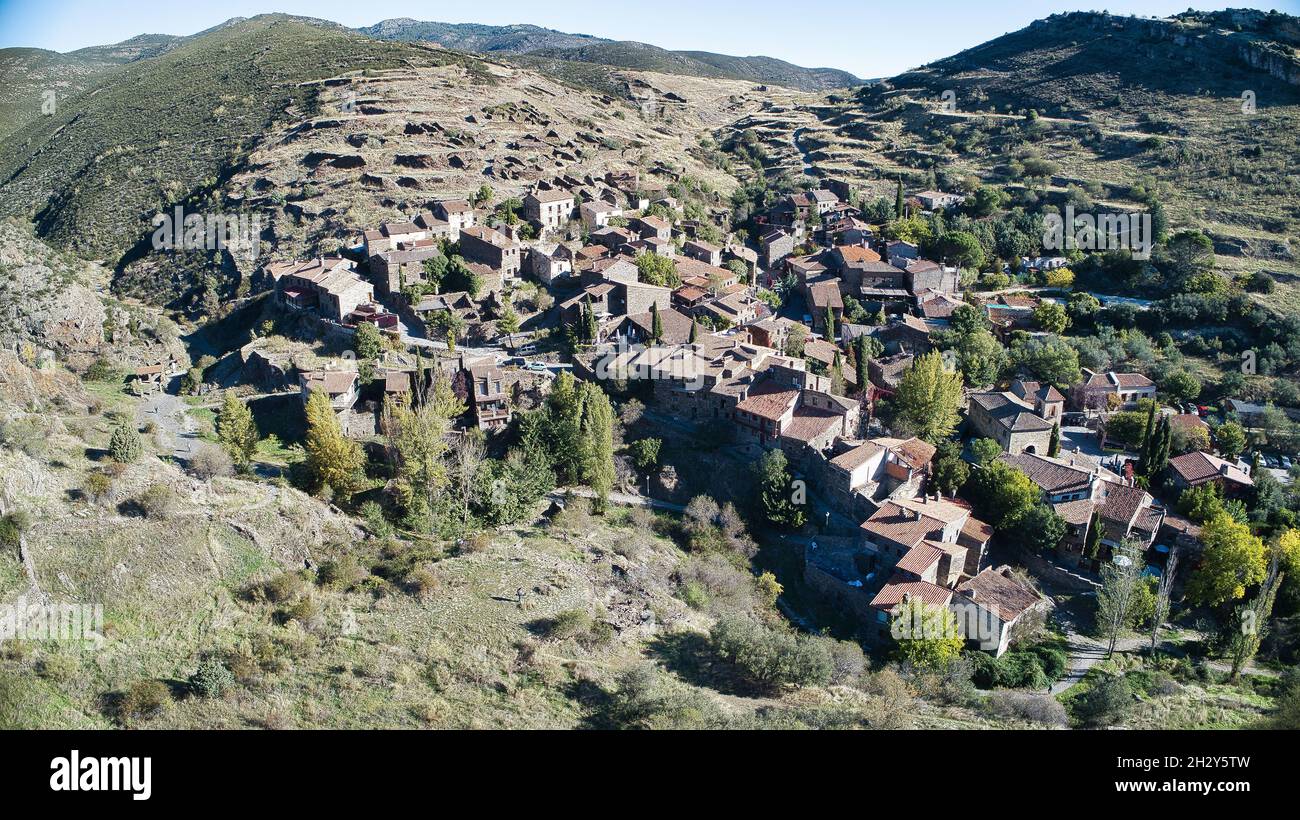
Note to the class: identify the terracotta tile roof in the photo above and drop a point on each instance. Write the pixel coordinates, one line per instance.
(975, 531)
(1198, 468)
(910, 521)
(1052, 475)
(768, 402)
(1133, 380)
(333, 382)
(825, 294)
(855, 253)
(1122, 504)
(808, 423)
(1188, 421)
(900, 586)
(553, 195)
(857, 456)
(998, 592)
(919, 559)
(1075, 512)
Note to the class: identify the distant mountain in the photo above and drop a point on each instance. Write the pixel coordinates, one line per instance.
(140, 47)
(517, 39)
(542, 44)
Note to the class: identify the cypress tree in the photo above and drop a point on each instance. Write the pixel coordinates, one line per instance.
(898, 200)
(1054, 446)
(862, 359)
(837, 376)
(656, 323)
(1092, 545)
(830, 324)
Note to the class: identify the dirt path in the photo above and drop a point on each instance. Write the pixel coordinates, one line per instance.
(171, 414)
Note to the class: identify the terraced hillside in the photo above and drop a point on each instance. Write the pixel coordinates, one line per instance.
(1093, 96)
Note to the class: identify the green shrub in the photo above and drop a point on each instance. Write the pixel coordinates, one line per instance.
(212, 679)
(284, 587)
(125, 446)
(768, 658)
(343, 573)
(1105, 703)
(157, 501)
(145, 700)
(568, 624)
(12, 527)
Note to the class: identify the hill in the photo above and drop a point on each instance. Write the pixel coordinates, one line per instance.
(516, 39)
(324, 132)
(1116, 110)
(543, 45)
(168, 129)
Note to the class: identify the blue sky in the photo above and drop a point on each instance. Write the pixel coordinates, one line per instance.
(867, 37)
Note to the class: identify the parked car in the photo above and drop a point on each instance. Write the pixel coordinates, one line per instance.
(1286, 463)
(514, 361)
(536, 367)
(528, 349)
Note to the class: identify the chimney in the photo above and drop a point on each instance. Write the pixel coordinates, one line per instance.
(971, 593)
(1223, 469)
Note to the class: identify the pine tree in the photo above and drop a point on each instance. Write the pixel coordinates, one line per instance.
(237, 431)
(333, 460)
(1054, 445)
(125, 445)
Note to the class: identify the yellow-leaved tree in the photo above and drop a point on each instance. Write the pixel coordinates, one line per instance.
(333, 460)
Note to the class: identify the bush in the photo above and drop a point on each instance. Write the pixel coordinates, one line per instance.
(58, 667)
(422, 583)
(1105, 702)
(97, 486)
(568, 624)
(125, 447)
(1036, 708)
(211, 462)
(12, 527)
(1018, 669)
(343, 574)
(769, 658)
(102, 370)
(145, 700)
(157, 501)
(284, 587)
(212, 679)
